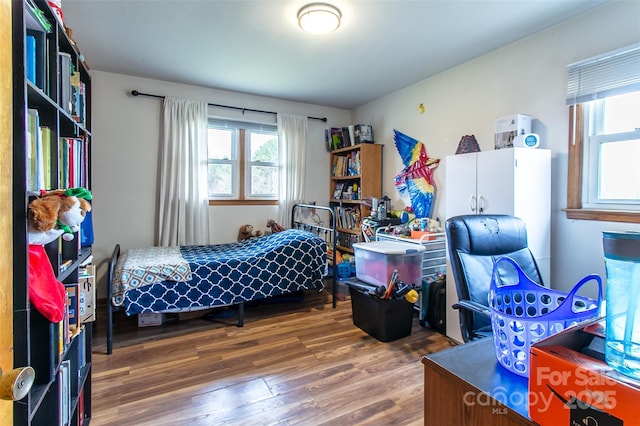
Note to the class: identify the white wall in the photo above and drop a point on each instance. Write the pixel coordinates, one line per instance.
(126, 132)
(527, 77)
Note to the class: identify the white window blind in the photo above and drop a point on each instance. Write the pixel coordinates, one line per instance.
(231, 124)
(610, 74)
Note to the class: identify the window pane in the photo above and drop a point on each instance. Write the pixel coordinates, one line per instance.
(220, 179)
(257, 175)
(264, 180)
(622, 113)
(264, 147)
(220, 144)
(619, 171)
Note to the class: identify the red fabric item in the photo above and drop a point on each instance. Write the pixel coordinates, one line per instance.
(46, 293)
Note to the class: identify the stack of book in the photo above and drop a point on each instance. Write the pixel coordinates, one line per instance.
(70, 157)
(346, 136)
(346, 165)
(347, 217)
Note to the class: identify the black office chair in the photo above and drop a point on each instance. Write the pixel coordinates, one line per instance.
(474, 242)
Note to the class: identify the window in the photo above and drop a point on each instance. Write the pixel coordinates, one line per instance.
(612, 152)
(604, 141)
(243, 162)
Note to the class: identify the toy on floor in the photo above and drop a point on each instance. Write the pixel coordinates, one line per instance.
(247, 231)
(274, 226)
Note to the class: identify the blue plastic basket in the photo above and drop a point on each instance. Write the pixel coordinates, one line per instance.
(344, 270)
(525, 312)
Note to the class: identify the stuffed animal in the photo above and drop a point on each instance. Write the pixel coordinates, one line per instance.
(246, 232)
(274, 226)
(55, 213)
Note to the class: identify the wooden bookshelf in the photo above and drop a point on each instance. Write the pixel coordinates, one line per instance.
(358, 167)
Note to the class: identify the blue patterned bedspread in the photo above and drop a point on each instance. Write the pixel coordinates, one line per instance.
(226, 274)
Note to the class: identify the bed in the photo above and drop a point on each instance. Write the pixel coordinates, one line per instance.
(190, 278)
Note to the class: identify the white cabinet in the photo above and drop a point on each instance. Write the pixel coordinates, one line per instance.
(514, 181)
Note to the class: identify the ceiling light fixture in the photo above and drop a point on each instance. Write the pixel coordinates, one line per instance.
(319, 18)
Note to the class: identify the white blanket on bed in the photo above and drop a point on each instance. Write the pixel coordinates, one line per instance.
(150, 265)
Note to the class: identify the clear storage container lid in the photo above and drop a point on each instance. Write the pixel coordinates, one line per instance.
(390, 247)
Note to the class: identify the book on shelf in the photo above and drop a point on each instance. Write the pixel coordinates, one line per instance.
(30, 58)
(347, 217)
(64, 387)
(36, 59)
(72, 158)
(64, 81)
(337, 192)
(353, 167)
(335, 166)
(336, 138)
(73, 164)
(82, 350)
(38, 153)
(40, 159)
(78, 109)
(346, 137)
(33, 134)
(45, 134)
(62, 166)
(64, 337)
(327, 139)
(347, 240)
(346, 165)
(73, 307)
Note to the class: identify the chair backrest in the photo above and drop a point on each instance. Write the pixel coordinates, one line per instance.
(474, 242)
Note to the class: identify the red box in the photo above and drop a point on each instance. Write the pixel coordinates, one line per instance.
(570, 384)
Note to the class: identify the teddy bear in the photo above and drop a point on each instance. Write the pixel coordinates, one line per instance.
(246, 232)
(274, 226)
(56, 213)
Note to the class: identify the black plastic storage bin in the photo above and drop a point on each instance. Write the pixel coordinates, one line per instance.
(386, 320)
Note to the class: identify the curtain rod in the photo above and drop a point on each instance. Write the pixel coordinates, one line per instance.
(136, 93)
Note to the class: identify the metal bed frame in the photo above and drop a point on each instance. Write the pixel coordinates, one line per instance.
(328, 234)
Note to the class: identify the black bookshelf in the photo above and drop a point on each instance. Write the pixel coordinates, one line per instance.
(39, 91)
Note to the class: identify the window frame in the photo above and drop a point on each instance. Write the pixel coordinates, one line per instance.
(248, 165)
(575, 171)
(242, 171)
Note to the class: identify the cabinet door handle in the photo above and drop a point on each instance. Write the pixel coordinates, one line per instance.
(480, 204)
(472, 203)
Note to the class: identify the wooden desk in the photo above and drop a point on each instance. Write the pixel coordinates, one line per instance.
(465, 385)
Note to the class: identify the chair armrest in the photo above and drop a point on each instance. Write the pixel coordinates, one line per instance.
(470, 305)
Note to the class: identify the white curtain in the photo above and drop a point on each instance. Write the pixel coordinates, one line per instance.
(292, 136)
(183, 207)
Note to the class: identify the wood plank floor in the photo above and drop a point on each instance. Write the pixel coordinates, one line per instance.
(291, 364)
